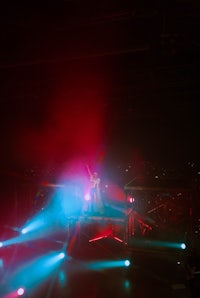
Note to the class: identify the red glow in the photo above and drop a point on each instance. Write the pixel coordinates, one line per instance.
(73, 239)
(114, 192)
(11, 295)
(106, 233)
(118, 239)
(130, 199)
(74, 124)
(46, 184)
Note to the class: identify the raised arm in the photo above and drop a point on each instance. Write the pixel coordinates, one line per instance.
(89, 171)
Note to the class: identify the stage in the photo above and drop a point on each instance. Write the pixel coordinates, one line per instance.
(91, 270)
(49, 253)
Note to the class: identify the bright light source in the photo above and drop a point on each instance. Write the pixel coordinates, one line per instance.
(20, 291)
(61, 255)
(130, 199)
(87, 197)
(1, 244)
(127, 263)
(102, 265)
(35, 225)
(183, 246)
(24, 231)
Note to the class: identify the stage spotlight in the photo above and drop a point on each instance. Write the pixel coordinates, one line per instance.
(24, 231)
(61, 255)
(183, 246)
(127, 263)
(1, 244)
(20, 291)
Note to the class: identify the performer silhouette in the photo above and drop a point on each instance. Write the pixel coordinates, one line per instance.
(95, 192)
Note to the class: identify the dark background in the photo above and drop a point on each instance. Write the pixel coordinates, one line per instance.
(128, 69)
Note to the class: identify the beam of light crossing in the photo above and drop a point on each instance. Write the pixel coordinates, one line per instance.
(41, 226)
(32, 274)
(101, 265)
(159, 244)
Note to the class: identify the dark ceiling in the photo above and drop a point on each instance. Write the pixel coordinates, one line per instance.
(144, 55)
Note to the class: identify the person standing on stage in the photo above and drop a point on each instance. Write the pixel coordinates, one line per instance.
(95, 192)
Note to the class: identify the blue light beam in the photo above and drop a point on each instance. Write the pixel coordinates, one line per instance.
(32, 274)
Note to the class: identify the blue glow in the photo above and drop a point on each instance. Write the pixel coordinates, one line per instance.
(25, 238)
(34, 225)
(33, 273)
(66, 202)
(1, 264)
(161, 244)
(100, 265)
(127, 284)
(62, 278)
(56, 258)
(15, 240)
(42, 225)
(53, 217)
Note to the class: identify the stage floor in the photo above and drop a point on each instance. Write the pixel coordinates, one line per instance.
(151, 273)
